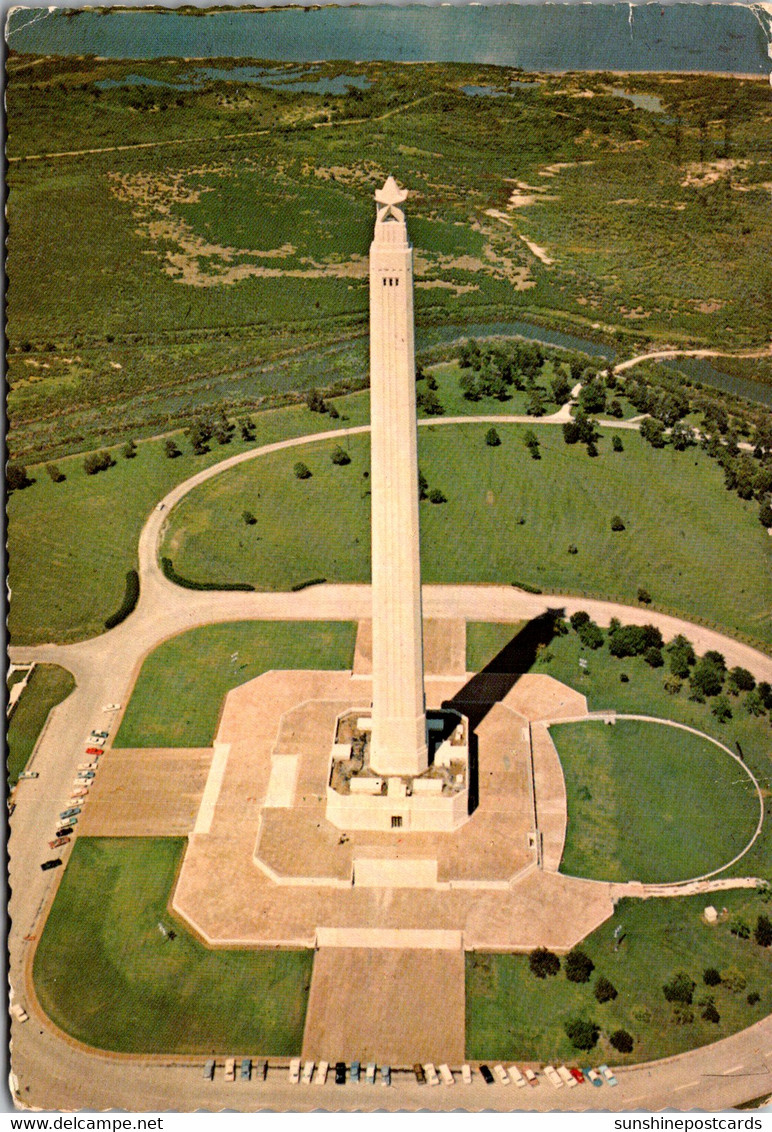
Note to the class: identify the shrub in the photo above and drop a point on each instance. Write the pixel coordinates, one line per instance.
(171, 450)
(55, 474)
(302, 471)
(765, 515)
(167, 566)
(428, 400)
(738, 927)
(16, 477)
(436, 496)
(707, 677)
(129, 603)
(763, 931)
(492, 438)
(711, 977)
(617, 524)
(543, 963)
(742, 679)
(581, 617)
(653, 657)
(710, 1014)
(644, 597)
(97, 462)
(734, 980)
(622, 1041)
(583, 1033)
(605, 991)
(654, 432)
(722, 710)
(248, 518)
(679, 989)
(129, 450)
(572, 548)
(753, 998)
(591, 635)
(340, 456)
(316, 401)
(578, 966)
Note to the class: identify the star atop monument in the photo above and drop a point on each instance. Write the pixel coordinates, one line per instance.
(391, 193)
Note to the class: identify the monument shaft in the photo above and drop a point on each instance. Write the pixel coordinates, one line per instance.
(398, 740)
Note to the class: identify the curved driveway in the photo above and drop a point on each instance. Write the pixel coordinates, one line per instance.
(59, 1075)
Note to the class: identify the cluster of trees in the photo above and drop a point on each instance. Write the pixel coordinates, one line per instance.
(493, 369)
(317, 404)
(531, 441)
(97, 462)
(433, 494)
(207, 424)
(582, 430)
(636, 640)
(590, 634)
(578, 967)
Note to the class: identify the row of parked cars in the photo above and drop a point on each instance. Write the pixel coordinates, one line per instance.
(86, 773)
(307, 1071)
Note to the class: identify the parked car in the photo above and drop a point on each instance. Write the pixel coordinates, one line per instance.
(340, 1073)
(566, 1077)
(69, 813)
(99, 734)
(466, 1074)
(501, 1073)
(87, 766)
(66, 829)
(321, 1072)
(370, 1073)
(386, 1075)
(577, 1075)
(19, 1013)
(246, 1068)
(552, 1076)
(111, 707)
(230, 1069)
(59, 842)
(431, 1074)
(54, 864)
(94, 751)
(85, 774)
(516, 1077)
(446, 1075)
(531, 1077)
(420, 1076)
(354, 1074)
(610, 1078)
(260, 1070)
(593, 1077)
(29, 774)
(486, 1074)
(308, 1072)
(209, 1070)
(93, 741)
(294, 1071)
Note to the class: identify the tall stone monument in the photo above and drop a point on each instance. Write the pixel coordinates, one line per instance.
(398, 743)
(392, 765)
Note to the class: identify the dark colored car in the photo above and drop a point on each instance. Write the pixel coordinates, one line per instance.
(209, 1070)
(246, 1068)
(340, 1073)
(420, 1076)
(54, 864)
(65, 831)
(486, 1074)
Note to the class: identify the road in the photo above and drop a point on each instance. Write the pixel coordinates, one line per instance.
(59, 1074)
(660, 355)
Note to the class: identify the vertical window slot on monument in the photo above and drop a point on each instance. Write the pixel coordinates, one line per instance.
(396, 821)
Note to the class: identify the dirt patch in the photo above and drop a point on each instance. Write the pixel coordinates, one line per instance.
(699, 174)
(559, 166)
(383, 1005)
(539, 252)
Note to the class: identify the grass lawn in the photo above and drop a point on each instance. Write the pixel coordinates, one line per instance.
(511, 1014)
(70, 544)
(643, 692)
(48, 686)
(691, 806)
(178, 695)
(106, 975)
(508, 518)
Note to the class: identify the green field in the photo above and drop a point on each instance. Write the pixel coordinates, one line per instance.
(177, 699)
(106, 975)
(511, 1014)
(507, 518)
(643, 692)
(691, 806)
(210, 271)
(48, 686)
(71, 543)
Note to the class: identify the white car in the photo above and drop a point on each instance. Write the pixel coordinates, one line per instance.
(566, 1077)
(501, 1073)
(431, 1074)
(91, 741)
(531, 1077)
(611, 1079)
(308, 1072)
(321, 1073)
(19, 1013)
(370, 1073)
(446, 1075)
(552, 1076)
(111, 707)
(516, 1077)
(294, 1070)
(230, 1069)
(466, 1074)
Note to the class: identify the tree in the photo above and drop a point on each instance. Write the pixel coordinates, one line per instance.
(710, 1014)
(248, 518)
(531, 441)
(742, 679)
(617, 524)
(16, 477)
(428, 400)
(605, 991)
(654, 432)
(644, 597)
(470, 386)
(722, 709)
(682, 436)
(622, 1041)
(591, 635)
(423, 485)
(592, 397)
(543, 963)
(302, 471)
(765, 515)
(578, 966)
(315, 401)
(199, 433)
(711, 977)
(707, 677)
(653, 657)
(97, 462)
(581, 617)
(682, 656)
(679, 989)
(171, 449)
(535, 406)
(762, 933)
(615, 410)
(616, 444)
(334, 414)
(340, 456)
(583, 1033)
(492, 438)
(247, 426)
(129, 450)
(436, 496)
(561, 389)
(55, 474)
